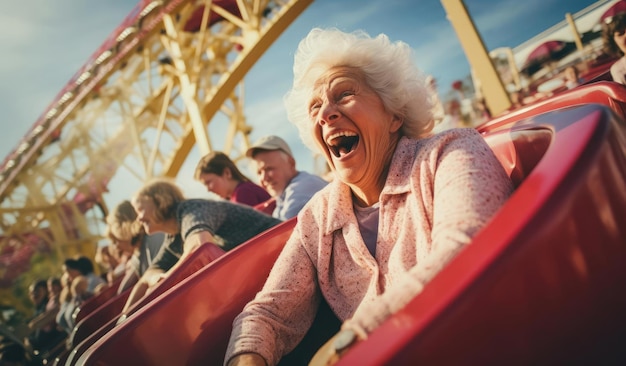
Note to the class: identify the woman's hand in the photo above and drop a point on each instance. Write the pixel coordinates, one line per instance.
(330, 353)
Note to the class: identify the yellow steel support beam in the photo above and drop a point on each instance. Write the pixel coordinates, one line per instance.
(572, 24)
(495, 94)
(188, 88)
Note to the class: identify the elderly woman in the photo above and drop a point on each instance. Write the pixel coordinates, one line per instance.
(128, 236)
(188, 223)
(402, 204)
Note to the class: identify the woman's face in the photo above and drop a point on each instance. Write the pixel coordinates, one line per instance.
(146, 214)
(352, 127)
(217, 184)
(54, 288)
(71, 272)
(619, 37)
(124, 246)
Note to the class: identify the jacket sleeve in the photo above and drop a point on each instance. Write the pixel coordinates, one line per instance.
(277, 319)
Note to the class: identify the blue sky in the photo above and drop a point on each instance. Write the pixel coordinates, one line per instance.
(45, 42)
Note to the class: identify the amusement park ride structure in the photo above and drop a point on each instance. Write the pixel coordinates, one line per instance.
(139, 104)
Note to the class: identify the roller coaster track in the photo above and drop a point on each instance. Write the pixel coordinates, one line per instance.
(138, 106)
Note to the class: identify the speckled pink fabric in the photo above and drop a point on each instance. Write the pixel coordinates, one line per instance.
(439, 192)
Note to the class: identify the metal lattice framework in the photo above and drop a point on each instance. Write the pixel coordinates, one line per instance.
(139, 105)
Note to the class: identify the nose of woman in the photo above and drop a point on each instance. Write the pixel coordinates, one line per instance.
(328, 114)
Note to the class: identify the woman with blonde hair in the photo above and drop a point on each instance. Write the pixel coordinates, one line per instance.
(128, 236)
(112, 262)
(187, 224)
(402, 204)
(221, 176)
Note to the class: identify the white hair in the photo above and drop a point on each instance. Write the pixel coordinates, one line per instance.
(388, 68)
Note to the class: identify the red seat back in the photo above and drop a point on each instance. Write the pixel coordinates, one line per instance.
(97, 300)
(85, 334)
(192, 321)
(519, 151)
(61, 358)
(607, 93)
(202, 256)
(80, 346)
(98, 318)
(94, 326)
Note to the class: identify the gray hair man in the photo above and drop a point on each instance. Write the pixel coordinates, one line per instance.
(276, 168)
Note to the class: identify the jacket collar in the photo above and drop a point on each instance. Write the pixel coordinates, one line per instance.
(340, 202)
(398, 181)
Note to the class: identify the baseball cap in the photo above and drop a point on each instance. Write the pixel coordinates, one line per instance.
(270, 142)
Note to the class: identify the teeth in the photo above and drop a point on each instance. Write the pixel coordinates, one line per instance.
(329, 139)
(337, 142)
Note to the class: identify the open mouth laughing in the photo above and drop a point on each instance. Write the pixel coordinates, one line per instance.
(342, 143)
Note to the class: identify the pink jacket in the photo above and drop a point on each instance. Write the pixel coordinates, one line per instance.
(439, 192)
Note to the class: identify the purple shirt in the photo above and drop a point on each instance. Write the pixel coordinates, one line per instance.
(249, 194)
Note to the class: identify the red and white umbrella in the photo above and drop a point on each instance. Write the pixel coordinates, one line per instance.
(618, 7)
(545, 51)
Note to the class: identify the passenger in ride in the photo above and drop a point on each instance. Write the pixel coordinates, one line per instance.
(403, 202)
(614, 37)
(78, 273)
(111, 261)
(570, 77)
(44, 333)
(83, 266)
(65, 299)
(189, 223)
(221, 176)
(128, 236)
(79, 292)
(54, 292)
(276, 168)
(38, 294)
